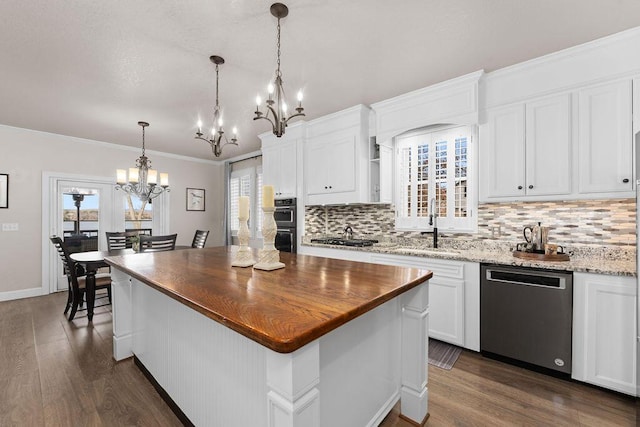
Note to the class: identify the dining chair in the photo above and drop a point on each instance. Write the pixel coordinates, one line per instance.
(75, 279)
(157, 243)
(199, 239)
(120, 239)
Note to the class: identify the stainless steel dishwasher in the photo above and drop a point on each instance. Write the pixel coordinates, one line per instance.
(525, 314)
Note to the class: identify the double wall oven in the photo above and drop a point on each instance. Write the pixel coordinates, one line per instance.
(285, 217)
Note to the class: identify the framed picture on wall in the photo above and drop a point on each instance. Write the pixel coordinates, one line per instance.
(4, 191)
(195, 199)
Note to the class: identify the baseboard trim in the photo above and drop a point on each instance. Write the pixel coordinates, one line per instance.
(22, 293)
(163, 394)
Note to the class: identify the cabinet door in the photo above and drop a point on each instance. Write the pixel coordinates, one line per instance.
(504, 152)
(446, 310)
(279, 168)
(340, 162)
(315, 168)
(548, 146)
(604, 331)
(605, 138)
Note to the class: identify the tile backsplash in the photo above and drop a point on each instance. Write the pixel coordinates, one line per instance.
(589, 222)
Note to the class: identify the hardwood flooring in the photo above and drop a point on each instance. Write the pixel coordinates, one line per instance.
(59, 373)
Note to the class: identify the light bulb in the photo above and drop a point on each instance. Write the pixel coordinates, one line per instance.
(235, 130)
(270, 89)
(258, 100)
(220, 122)
(199, 124)
(213, 131)
(284, 108)
(299, 96)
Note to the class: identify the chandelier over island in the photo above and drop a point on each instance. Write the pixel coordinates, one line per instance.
(276, 106)
(142, 181)
(215, 140)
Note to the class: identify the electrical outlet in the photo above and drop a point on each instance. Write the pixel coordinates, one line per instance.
(10, 226)
(496, 231)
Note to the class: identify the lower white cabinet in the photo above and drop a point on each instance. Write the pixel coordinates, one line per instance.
(604, 331)
(454, 297)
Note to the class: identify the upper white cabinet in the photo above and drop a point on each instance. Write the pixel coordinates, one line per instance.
(527, 149)
(605, 138)
(604, 331)
(280, 160)
(336, 158)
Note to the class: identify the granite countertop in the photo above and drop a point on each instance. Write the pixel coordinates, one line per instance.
(613, 260)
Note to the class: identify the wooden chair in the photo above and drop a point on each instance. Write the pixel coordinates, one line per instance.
(77, 283)
(157, 243)
(120, 239)
(199, 239)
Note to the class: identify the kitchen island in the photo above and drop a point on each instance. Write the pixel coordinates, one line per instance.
(322, 342)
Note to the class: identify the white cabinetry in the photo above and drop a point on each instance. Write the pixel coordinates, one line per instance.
(527, 149)
(454, 297)
(280, 160)
(336, 158)
(605, 138)
(604, 331)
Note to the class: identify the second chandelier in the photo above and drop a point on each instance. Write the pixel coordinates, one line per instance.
(217, 139)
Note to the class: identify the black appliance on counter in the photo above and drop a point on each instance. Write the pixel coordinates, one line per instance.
(526, 315)
(338, 241)
(285, 217)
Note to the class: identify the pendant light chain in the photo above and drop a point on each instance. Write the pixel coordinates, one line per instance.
(278, 73)
(217, 77)
(143, 140)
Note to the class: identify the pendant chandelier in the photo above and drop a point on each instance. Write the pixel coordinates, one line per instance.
(215, 140)
(276, 106)
(142, 181)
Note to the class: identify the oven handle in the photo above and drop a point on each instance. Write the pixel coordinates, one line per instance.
(284, 230)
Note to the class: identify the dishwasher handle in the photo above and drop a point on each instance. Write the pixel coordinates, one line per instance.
(540, 279)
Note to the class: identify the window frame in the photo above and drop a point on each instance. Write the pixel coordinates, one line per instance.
(254, 173)
(430, 134)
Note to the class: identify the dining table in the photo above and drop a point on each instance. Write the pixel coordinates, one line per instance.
(92, 261)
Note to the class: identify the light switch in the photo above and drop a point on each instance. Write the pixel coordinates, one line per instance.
(13, 226)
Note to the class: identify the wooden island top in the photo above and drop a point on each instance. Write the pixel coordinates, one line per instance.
(283, 309)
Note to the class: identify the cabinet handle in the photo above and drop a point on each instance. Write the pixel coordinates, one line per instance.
(625, 180)
(519, 187)
(530, 187)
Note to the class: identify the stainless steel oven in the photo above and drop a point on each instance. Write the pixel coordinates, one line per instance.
(286, 239)
(285, 217)
(285, 212)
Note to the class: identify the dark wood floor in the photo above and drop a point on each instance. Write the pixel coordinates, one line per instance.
(59, 373)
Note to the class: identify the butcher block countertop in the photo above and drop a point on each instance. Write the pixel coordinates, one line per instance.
(283, 309)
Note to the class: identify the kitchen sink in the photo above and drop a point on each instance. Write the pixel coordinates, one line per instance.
(430, 251)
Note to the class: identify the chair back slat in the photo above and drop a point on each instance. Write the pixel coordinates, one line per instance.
(120, 239)
(158, 243)
(70, 266)
(199, 239)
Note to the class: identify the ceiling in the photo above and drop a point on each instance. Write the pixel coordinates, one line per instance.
(93, 69)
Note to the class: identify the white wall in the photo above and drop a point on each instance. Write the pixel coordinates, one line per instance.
(25, 154)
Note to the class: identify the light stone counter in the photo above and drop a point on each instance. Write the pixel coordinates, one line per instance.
(612, 260)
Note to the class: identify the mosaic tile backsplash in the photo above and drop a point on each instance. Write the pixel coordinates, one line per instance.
(588, 222)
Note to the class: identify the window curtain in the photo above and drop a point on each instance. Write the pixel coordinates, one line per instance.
(227, 203)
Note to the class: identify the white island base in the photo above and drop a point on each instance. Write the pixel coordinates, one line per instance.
(352, 376)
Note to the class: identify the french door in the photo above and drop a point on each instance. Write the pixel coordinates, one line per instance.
(85, 210)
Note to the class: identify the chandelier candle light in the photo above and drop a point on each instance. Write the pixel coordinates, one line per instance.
(269, 256)
(142, 181)
(276, 108)
(216, 137)
(243, 257)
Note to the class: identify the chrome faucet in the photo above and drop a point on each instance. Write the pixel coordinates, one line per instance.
(348, 232)
(433, 220)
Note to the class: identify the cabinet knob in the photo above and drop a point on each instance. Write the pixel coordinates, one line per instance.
(519, 187)
(625, 180)
(330, 187)
(530, 187)
(325, 187)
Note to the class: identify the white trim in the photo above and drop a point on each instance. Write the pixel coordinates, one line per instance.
(242, 157)
(22, 293)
